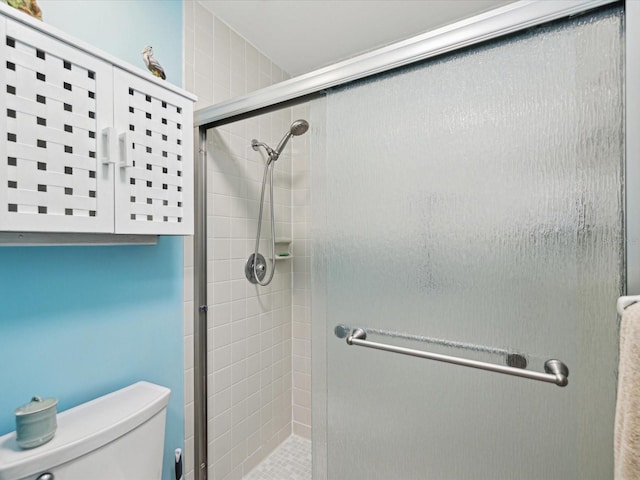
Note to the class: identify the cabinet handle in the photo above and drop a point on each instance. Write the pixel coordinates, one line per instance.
(126, 150)
(109, 145)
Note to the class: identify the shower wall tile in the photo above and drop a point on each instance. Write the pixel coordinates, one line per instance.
(188, 318)
(250, 331)
(300, 294)
(189, 445)
(188, 284)
(253, 391)
(188, 313)
(222, 45)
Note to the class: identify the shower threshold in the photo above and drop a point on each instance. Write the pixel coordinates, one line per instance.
(290, 461)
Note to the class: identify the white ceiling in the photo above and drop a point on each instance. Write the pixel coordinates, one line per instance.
(303, 35)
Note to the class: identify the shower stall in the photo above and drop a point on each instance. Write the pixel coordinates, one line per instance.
(460, 200)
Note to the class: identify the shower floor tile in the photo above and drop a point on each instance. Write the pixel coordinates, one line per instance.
(290, 461)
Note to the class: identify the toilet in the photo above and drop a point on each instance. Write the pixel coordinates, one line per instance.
(117, 436)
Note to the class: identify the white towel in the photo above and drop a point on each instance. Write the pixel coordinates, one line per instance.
(627, 427)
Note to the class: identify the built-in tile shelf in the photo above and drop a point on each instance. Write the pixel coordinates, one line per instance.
(283, 249)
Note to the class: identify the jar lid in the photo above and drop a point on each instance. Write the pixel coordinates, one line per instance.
(36, 404)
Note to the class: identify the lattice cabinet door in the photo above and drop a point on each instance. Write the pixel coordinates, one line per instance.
(154, 179)
(56, 101)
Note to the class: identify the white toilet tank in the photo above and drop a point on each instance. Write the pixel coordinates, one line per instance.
(119, 436)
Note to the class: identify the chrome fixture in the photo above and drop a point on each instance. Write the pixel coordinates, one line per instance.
(299, 127)
(256, 267)
(511, 358)
(556, 371)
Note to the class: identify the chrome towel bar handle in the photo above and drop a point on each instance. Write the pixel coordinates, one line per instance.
(556, 372)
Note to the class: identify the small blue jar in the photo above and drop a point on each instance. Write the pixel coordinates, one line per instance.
(36, 422)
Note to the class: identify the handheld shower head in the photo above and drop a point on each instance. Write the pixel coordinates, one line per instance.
(255, 267)
(299, 127)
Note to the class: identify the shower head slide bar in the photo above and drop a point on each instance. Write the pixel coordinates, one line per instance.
(624, 302)
(556, 371)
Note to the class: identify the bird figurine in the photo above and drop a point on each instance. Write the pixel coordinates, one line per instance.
(152, 64)
(30, 7)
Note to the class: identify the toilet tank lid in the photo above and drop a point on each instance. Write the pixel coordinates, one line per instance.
(84, 428)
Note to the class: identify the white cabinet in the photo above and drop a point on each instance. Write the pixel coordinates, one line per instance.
(88, 144)
(154, 174)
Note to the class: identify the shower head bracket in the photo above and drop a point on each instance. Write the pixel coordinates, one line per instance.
(255, 144)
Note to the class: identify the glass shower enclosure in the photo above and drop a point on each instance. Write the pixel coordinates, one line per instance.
(472, 206)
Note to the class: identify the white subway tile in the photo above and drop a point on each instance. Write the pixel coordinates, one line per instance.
(238, 351)
(238, 314)
(221, 314)
(222, 424)
(238, 252)
(221, 271)
(298, 347)
(221, 402)
(265, 64)
(238, 455)
(237, 44)
(189, 447)
(203, 18)
(221, 380)
(239, 228)
(239, 371)
(188, 420)
(221, 91)
(221, 336)
(221, 205)
(219, 248)
(188, 387)
(188, 352)
(188, 284)
(238, 289)
(221, 47)
(203, 59)
(237, 267)
(203, 88)
(188, 318)
(221, 455)
(239, 324)
(301, 430)
(253, 321)
(253, 345)
(302, 415)
(221, 357)
(302, 398)
(239, 395)
(298, 364)
(221, 292)
(238, 414)
(187, 252)
(221, 227)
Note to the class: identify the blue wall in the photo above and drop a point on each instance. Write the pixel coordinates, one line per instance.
(124, 27)
(79, 322)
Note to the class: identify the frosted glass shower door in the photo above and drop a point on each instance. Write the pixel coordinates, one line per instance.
(475, 202)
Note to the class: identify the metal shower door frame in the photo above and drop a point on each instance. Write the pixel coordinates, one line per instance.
(489, 25)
